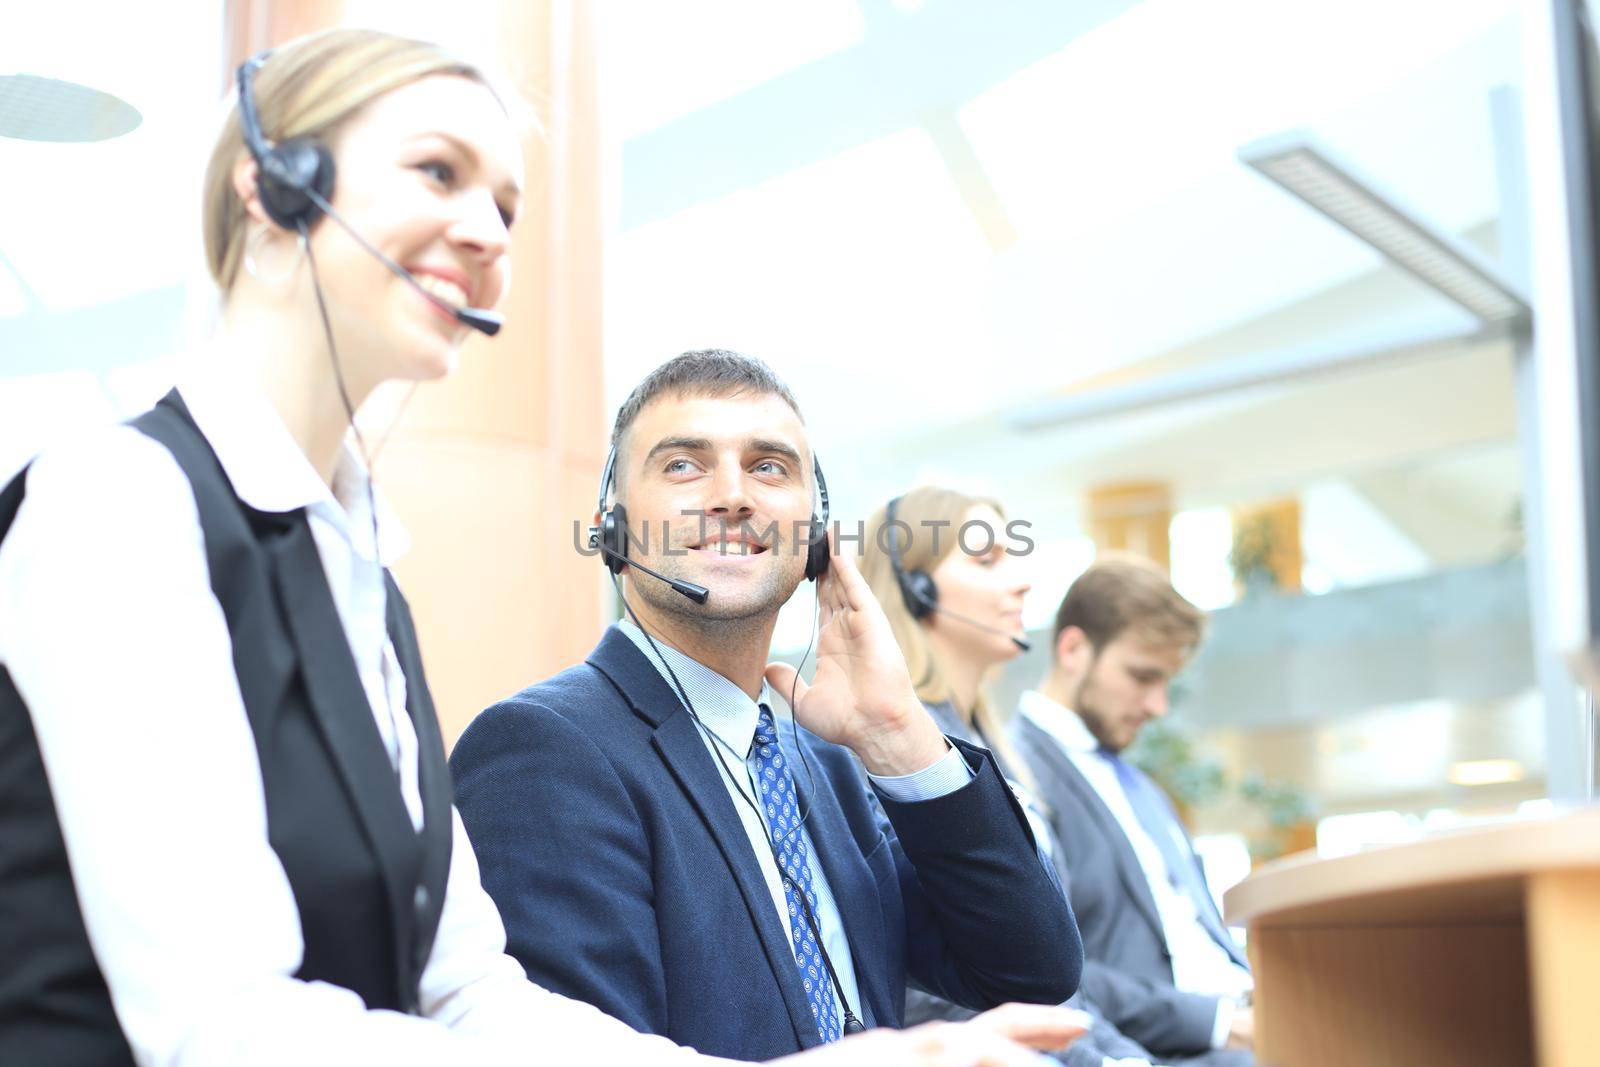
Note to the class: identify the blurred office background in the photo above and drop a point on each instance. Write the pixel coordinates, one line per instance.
(1007, 247)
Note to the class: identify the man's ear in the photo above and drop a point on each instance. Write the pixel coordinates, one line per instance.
(1073, 650)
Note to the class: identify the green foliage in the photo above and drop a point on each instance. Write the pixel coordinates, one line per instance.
(1285, 805)
(1255, 544)
(1168, 754)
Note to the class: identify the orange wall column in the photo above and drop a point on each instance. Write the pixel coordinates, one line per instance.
(1131, 517)
(249, 26)
(491, 468)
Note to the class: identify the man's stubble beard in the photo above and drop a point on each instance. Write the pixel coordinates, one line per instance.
(1083, 704)
(758, 603)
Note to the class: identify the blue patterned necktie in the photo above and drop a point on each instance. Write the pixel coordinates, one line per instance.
(789, 848)
(1161, 824)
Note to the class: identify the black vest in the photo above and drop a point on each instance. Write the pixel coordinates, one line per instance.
(369, 888)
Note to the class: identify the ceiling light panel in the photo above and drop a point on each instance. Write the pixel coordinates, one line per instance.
(1439, 260)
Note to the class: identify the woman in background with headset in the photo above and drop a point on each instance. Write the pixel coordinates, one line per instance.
(954, 600)
(226, 829)
(956, 611)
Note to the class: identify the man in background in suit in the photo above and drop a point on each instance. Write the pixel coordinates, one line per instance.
(1158, 960)
(663, 842)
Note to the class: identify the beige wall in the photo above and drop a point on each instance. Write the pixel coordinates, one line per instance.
(489, 469)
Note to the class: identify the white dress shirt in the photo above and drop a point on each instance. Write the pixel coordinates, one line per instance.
(113, 637)
(729, 717)
(1199, 964)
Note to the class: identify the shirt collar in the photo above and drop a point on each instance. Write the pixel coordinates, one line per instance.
(1059, 721)
(725, 709)
(266, 467)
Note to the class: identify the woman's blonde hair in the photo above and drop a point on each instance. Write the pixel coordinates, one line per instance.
(929, 510)
(311, 87)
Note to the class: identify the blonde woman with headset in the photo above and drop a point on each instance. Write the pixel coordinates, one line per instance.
(226, 827)
(943, 565)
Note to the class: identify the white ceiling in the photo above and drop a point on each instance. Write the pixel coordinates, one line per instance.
(865, 278)
(666, 60)
(866, 281)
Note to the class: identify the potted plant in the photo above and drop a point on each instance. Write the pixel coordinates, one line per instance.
(1291, 818)
(1254, 553)
(1167, 753)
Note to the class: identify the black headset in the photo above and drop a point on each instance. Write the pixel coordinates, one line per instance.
(286, 172)
(295, 179)
(917, 587)
(610, 538)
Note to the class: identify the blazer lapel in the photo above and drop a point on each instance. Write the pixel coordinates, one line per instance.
(1066, 772)
(678, 740)
(433, 773)
(342, 711)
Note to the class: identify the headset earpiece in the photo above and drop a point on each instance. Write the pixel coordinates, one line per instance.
(286, 173)
(614, 536)
(920, 592)
(818, 558)
(612, 533)
(917, 587)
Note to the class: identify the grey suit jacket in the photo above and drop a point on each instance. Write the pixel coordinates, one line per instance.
(1127, 970)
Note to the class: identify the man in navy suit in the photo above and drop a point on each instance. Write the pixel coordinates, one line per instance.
(1160, 963)
(665, 842)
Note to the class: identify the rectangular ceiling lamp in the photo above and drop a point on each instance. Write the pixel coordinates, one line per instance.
(1445, 264)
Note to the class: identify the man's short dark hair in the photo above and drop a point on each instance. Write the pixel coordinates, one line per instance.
(1122, 594)
(708, 372)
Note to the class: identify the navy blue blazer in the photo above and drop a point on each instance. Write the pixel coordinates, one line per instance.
(626, 879)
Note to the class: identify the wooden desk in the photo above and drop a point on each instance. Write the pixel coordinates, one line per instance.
(1480, 946)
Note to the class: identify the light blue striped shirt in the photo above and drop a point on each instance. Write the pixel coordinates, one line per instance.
(729, 719)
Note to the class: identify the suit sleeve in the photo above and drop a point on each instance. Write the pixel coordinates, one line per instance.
(555, 833)
(1156, 1015)
(985, 921)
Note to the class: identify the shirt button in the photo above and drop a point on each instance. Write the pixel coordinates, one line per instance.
(420, 900)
